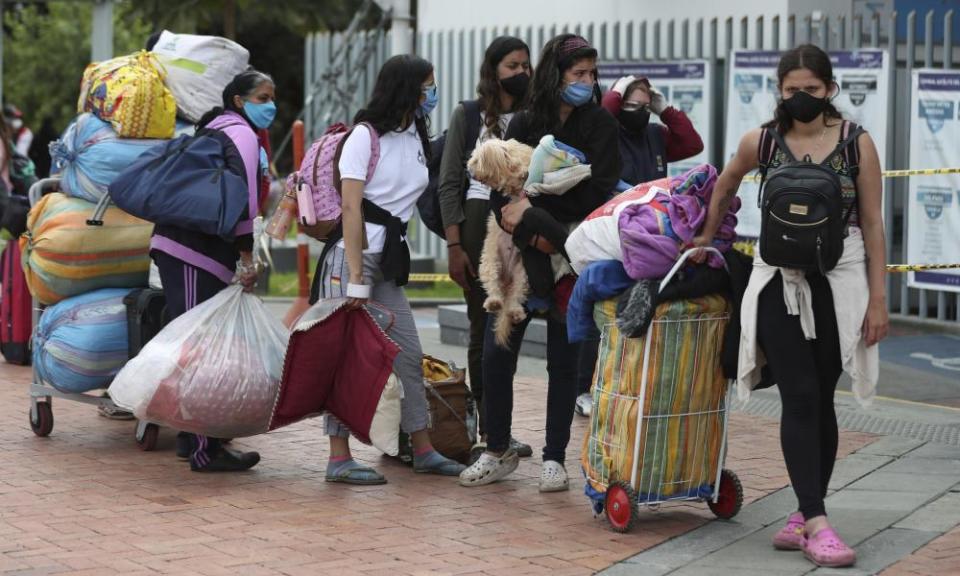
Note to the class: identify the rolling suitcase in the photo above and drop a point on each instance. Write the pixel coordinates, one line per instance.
(146, 310)
(16, 307)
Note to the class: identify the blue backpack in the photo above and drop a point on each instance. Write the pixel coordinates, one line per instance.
(194, 182)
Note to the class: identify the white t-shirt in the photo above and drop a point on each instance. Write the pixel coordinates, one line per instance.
(476, 189)
(398, 181)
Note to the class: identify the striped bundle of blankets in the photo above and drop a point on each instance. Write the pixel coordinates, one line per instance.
(683, 409)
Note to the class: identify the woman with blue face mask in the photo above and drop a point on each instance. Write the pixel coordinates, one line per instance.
(195, 266)
(564, 102)
(366, 259)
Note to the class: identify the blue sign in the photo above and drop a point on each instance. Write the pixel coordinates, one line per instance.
(936, 113)
(747, 85)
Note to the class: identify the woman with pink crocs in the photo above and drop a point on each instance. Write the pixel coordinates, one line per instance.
(809, 321)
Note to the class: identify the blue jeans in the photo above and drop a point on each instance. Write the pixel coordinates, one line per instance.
(499, 367)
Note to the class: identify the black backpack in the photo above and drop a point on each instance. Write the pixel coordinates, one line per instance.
(803, 223)
(429, 202)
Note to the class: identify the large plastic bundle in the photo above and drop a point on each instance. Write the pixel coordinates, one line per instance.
(81, 343)
(128, 92)
(198, 69)
(63, 256)
(214, 370)
(89, 155)
(682, 426)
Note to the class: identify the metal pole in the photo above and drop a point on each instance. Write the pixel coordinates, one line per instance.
(685, 38)
(401, 37)
(775, 33)
(791, 31)
(759, 40)
(889, 205)
(700, 38)
(101, 36)
(671, 38)
(656, 40)
(948, 50)
(744, 33)
(928, 40)
(911, 56)
(857, 29)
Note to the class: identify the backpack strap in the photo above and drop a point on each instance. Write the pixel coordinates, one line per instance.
(849, 146)
(471, 113)
(769, 139)
(374, 154)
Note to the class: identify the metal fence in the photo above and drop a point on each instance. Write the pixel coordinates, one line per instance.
(456, 55)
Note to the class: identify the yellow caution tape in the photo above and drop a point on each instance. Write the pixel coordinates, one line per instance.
(889, 173)
(919, 267)
(430, 278)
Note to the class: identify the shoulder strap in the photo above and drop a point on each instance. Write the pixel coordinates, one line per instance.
(849, 147)
(781, 144)
(471, 114)
(374, 150)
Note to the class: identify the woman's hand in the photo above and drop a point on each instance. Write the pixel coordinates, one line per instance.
(356, 284)
(246, 273)
(699, 256)
(875, 322)
(512, 214)
(459, 266)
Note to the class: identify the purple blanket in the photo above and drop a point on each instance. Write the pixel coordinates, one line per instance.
(652, 235)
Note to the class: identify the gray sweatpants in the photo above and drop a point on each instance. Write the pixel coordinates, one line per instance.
(407, 364)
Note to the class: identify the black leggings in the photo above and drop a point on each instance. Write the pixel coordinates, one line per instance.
(806, 372)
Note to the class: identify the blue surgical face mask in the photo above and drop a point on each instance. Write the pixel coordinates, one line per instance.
(431, 102)
(577, 93)
(261, 114)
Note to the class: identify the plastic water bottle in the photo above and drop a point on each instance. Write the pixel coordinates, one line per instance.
(283, 216)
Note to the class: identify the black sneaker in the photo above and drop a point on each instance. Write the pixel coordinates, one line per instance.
(523, 450)
(224, 460)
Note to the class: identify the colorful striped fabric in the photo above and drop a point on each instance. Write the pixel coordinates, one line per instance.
(63, 256)
(682, 428)
(81, 343)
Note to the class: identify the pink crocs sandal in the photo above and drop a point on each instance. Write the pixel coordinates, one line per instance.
(790, 537)
(825, 548)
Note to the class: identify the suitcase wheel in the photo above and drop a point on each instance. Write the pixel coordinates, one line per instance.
(730, 496)
(620, 505)
(41, 418)
(147, 436)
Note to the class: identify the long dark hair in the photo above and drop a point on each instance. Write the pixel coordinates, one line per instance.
(488, 89)
(396, 98)
(242, 85)
(555, 59)
(812, 58)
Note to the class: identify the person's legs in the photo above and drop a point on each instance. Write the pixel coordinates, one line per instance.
(499, 367)
(829, 368)
(184, 287)
(473, 231)
(562, 359)
(792, 362)
(587, 362)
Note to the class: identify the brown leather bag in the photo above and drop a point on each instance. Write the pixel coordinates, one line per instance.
(452, 409)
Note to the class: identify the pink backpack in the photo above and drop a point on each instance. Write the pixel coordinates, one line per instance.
(317, 182)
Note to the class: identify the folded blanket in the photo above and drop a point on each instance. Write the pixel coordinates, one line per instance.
(550, 156)
(559, 181)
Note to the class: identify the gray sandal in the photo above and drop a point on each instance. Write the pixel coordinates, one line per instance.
(358, 474)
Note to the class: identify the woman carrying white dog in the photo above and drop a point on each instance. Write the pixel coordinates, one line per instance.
(565, 103)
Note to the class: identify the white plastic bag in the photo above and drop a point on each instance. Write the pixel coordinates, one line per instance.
(198, 69)
(215, 370)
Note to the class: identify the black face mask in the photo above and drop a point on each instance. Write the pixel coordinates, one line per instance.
(635, 120)
(516, 86)
(803, 107)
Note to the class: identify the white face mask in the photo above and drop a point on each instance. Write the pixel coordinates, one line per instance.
(16, 123)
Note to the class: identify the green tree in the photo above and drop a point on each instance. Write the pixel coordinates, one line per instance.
(46, 50)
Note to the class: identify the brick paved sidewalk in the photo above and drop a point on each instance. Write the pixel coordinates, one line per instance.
(87, 501)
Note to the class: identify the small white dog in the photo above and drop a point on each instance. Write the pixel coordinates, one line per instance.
(502, 165)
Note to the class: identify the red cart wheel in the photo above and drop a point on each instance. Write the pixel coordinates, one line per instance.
(620, 505)
(147, 441)
(730, 497)
(41, 420)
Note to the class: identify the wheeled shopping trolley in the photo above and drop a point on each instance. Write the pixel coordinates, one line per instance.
(43, 392)
(658, 429)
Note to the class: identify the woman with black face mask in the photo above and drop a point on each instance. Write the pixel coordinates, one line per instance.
(645, 148)
(809, 327)
(465, 202)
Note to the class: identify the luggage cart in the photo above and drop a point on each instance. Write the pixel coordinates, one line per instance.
(660, 470)
(42, 393)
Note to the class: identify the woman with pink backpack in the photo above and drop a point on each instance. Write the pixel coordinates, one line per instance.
(379, 168)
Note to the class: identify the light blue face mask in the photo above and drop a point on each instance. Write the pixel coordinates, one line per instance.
(577, 93)
(431, 102)
(260, 114)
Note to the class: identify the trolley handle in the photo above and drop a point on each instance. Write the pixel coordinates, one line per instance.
(682, 260)
(41, 187)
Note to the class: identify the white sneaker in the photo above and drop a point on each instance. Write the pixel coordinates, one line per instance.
(553, 477)
(490, 468)
(584, 405)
